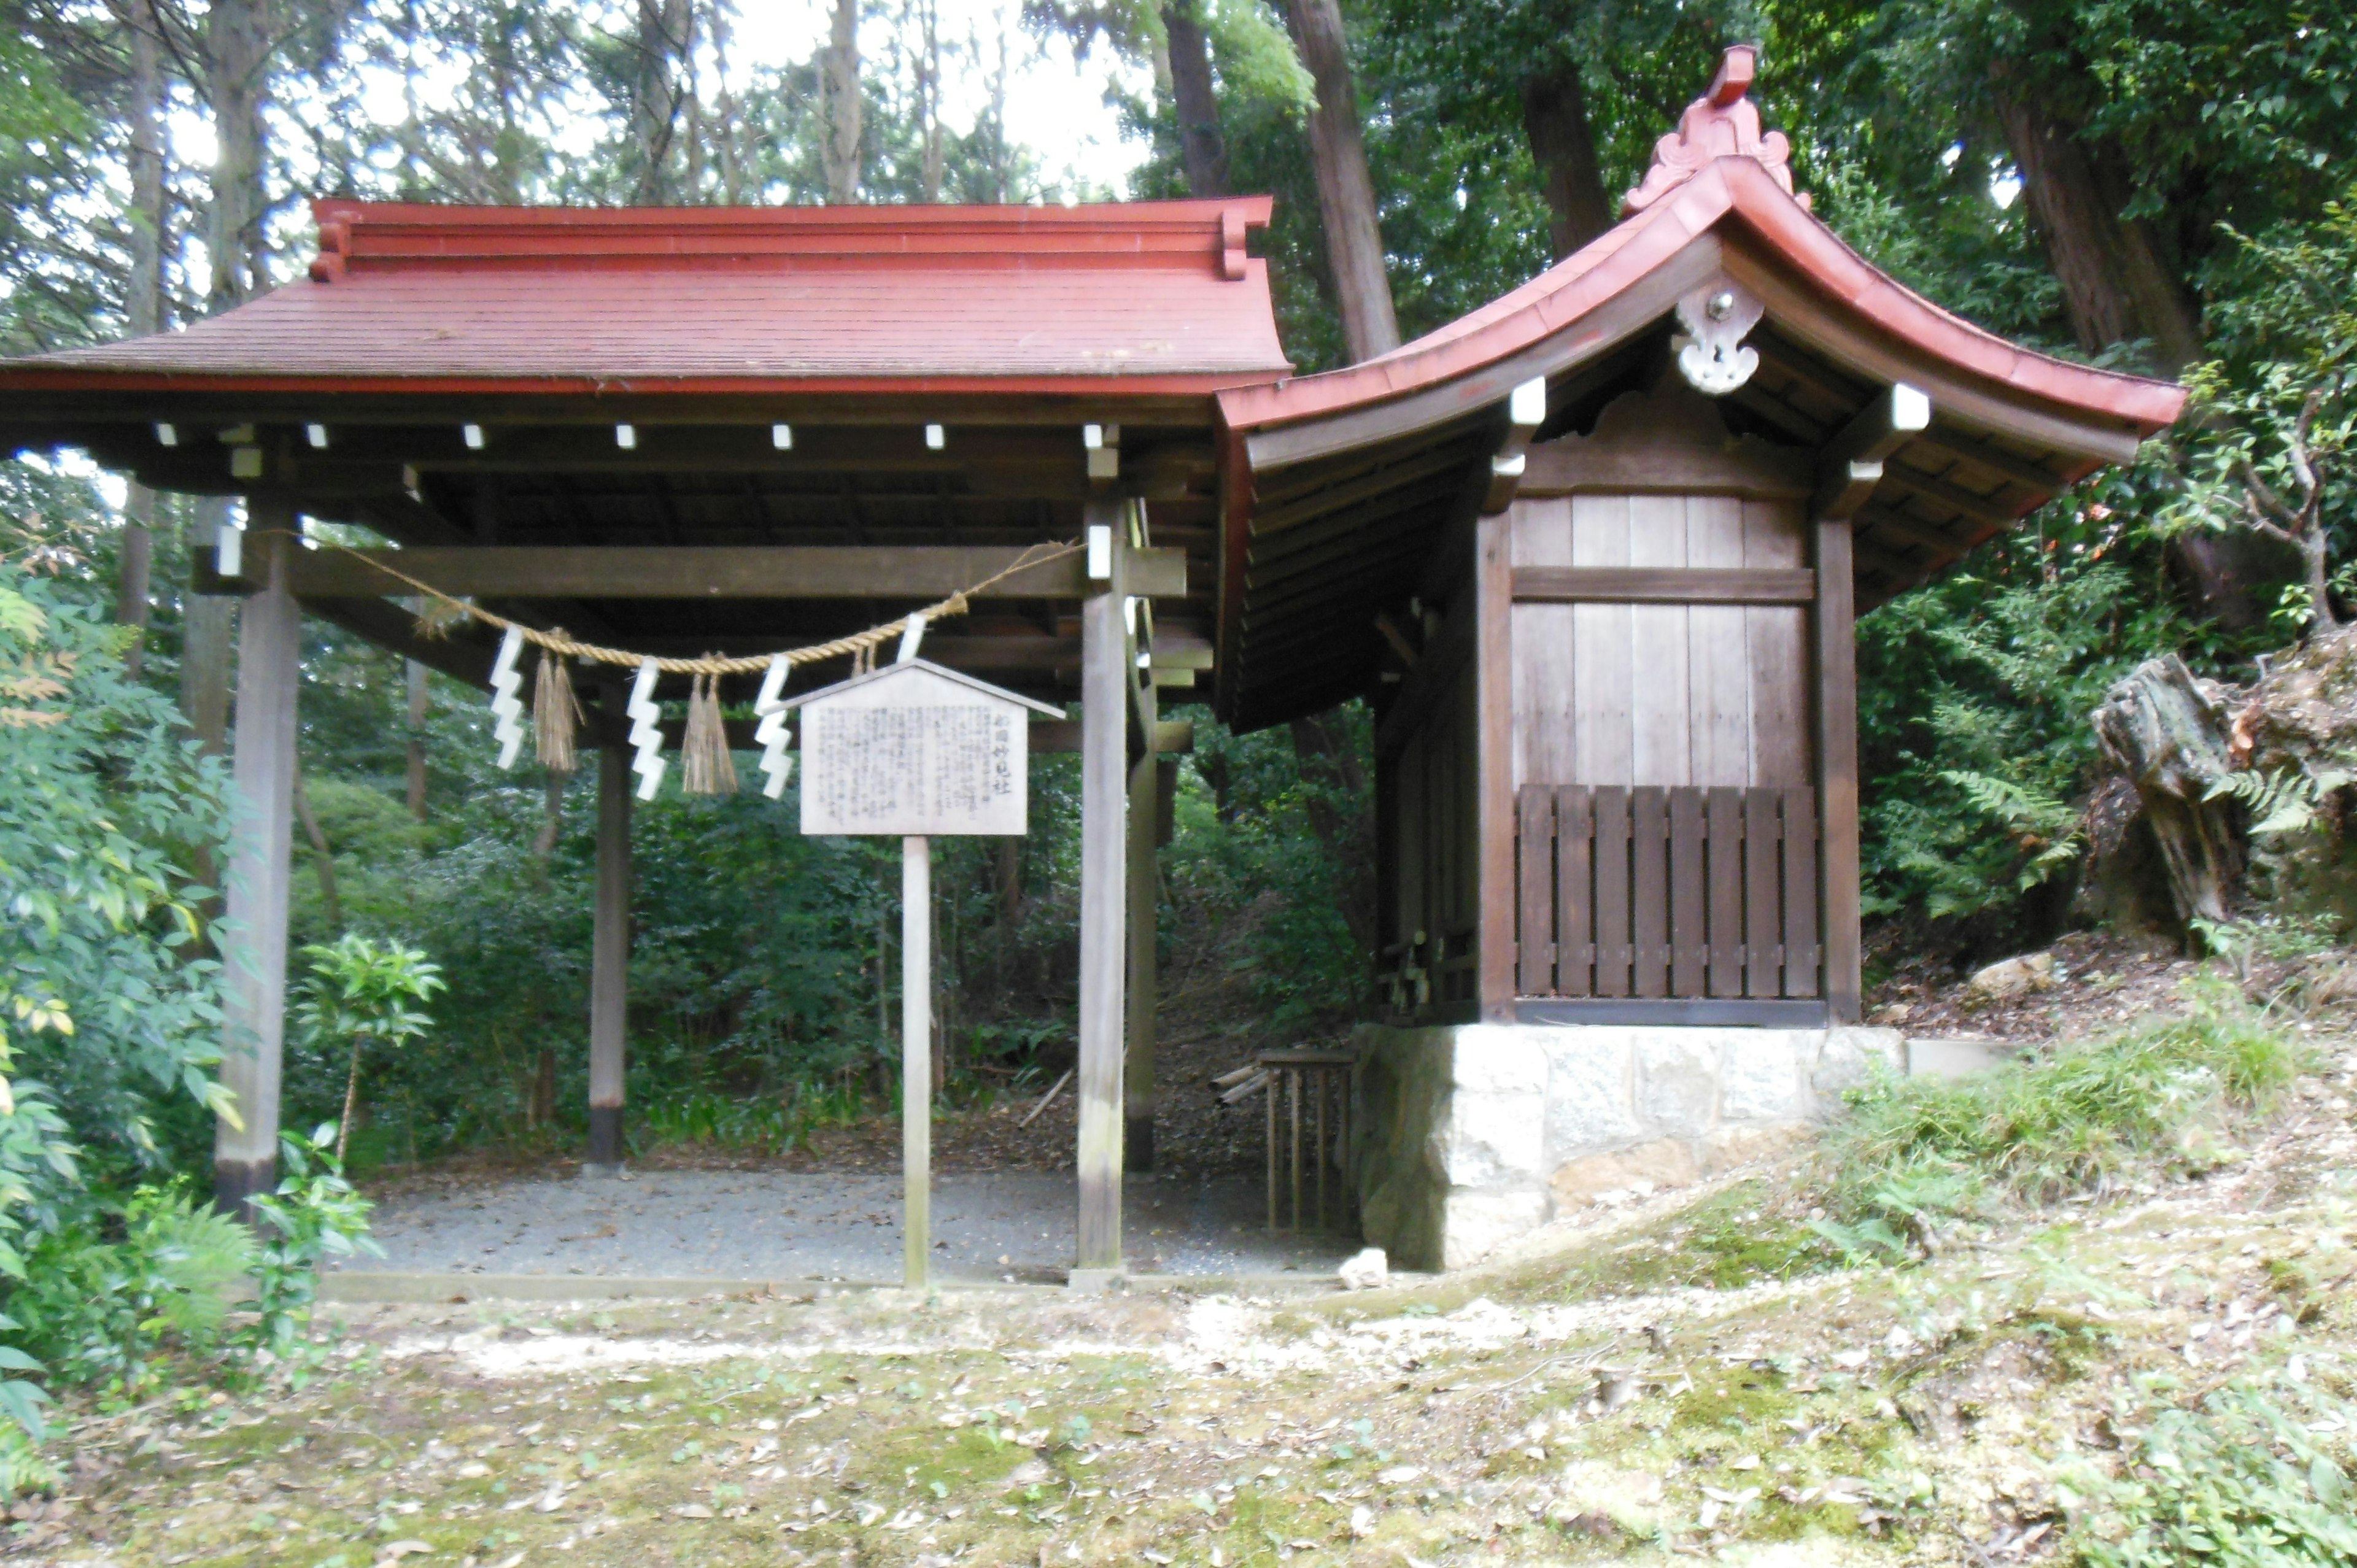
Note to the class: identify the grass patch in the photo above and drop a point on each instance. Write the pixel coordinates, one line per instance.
(1747, 1233)
(2244, 1477)
(2166, 1094)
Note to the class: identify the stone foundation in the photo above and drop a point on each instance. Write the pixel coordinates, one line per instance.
(1475, 1133)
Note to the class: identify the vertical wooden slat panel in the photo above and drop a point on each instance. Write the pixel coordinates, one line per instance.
(1660, 746)
(1719, 689)
(1493, 666)
(1763, 923)
(1801, 951)
(1689, 927)
(1726, 812)
(1649, 888)
(1601, 736)
(1544, 702)
(1778, 651)
(1614, 950)
(1534, 949)
(1575, 891)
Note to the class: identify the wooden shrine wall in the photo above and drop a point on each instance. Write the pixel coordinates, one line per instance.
(1429, 875)
(1663, 693)
(1665, 819)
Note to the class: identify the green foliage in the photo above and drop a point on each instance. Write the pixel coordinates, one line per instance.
(1914, 1151)
(105, 1299)
(359, 992)
(2281, 802)
(363, 990)
(107, 1017)
(311, 1215)
(2251, 1476)
(1975, 693)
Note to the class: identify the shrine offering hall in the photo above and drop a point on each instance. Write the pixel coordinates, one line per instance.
(1593, 555)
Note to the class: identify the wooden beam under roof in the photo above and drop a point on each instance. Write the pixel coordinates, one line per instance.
(894, 572)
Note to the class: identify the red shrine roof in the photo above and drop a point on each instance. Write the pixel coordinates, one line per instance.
(1152, 296)
(1716, 174)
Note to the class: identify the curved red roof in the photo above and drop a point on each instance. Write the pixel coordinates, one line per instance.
(1131, 296)
(1738, 197)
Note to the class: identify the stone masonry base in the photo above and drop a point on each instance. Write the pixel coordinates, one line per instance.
(1475, 1133)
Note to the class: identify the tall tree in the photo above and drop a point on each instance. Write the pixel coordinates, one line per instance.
(2115, 286)
(143, 293)
(1202, 145)
(1563, 145)
(839, 84)
(1346, 191)
(660, 96)
(237, 72)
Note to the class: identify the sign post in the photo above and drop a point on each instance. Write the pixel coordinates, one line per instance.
(919, 752)
(916, 1057)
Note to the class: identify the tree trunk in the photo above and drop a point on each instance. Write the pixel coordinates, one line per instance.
(929, 97)
(413, 675)
(237, 70)
(839, 91)
(351, 1103)
(1201, 142)
(2116, 286)
(143, 306)
(1346, 191)
(2169, 739)
(541, 1111)
(656, 94)
(237, 66)
(1563, 145)
(322, 857)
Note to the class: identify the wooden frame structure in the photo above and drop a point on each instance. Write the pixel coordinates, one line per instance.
(829, 416)
(1601, 545)
(1594, 552)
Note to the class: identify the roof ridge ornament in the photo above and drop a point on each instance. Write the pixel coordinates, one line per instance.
(1723, 123)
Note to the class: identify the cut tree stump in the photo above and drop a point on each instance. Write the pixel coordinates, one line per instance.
(2167, 736)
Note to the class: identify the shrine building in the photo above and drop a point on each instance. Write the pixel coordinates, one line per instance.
(1593, 553)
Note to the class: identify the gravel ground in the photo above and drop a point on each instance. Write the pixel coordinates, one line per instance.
(785, 1225)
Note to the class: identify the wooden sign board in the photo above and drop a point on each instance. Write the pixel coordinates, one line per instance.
(914, 749)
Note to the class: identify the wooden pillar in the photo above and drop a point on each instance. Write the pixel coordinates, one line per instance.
(1145, 994)
(1492, 588)
(1837, 662)
(253, 990)
(916, 1059)
(1104, 853)
(610, 952)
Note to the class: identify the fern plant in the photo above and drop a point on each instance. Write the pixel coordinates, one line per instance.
(2286, 800)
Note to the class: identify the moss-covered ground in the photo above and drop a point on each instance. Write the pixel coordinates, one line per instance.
(1701, 1379)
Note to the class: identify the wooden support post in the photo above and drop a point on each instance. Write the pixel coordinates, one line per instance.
(609, 954)
(916, 1060)
(1836, 661)
(253, 999)
(1492, 590)
(1104, 777)
(1143, 992)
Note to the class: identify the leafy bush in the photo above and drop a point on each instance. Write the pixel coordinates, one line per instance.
(1915, 1151)
(359, 992)
(2248, 1479)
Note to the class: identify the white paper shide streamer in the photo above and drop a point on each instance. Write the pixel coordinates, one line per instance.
(646, 731)
(771, 732)
(507, 708)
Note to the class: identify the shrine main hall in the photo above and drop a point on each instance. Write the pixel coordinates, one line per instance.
(1592, 554)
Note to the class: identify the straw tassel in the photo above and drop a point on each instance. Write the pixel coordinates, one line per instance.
(709, 769)
(555, 715)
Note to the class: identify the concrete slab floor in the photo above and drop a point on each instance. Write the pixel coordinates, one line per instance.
(766, 1225)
